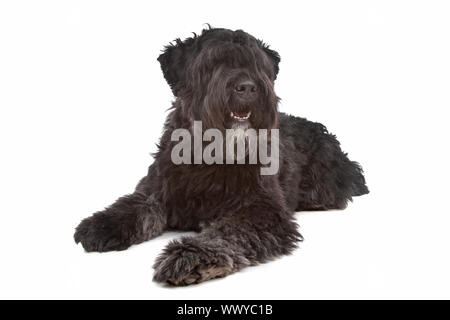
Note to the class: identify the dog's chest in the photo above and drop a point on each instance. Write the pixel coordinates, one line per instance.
(195, 194)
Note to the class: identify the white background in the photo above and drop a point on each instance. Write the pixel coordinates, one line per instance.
(83, 101)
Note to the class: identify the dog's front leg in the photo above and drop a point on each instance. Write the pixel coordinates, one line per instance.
(226, 246)
(130, 220)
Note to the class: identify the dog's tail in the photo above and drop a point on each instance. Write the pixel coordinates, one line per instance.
(359, 186)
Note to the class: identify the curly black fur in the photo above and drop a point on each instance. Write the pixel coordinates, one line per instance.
(243, 218)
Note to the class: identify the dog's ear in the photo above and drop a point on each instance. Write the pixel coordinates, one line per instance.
(274, 57)
(173, 62)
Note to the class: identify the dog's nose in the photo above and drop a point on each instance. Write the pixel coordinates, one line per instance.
(246, 89)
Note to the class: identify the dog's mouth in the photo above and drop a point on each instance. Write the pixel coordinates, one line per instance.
(241, 115)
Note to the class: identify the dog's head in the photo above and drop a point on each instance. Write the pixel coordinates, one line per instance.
(223, 78)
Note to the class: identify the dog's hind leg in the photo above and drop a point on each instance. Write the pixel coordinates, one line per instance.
(130, 220)
(329, 179)
(251, 236)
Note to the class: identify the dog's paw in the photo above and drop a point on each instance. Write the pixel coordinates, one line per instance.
(184, 263)
(101, 233)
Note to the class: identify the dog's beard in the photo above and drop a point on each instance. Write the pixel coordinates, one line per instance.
(240, 124)
(261, 115)
(241, 115)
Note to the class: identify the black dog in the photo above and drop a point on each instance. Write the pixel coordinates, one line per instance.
(224, 78)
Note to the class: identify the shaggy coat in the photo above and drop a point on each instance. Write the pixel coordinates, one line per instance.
(242, 217)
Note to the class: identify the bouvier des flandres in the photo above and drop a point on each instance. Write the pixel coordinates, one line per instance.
(225, 79)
